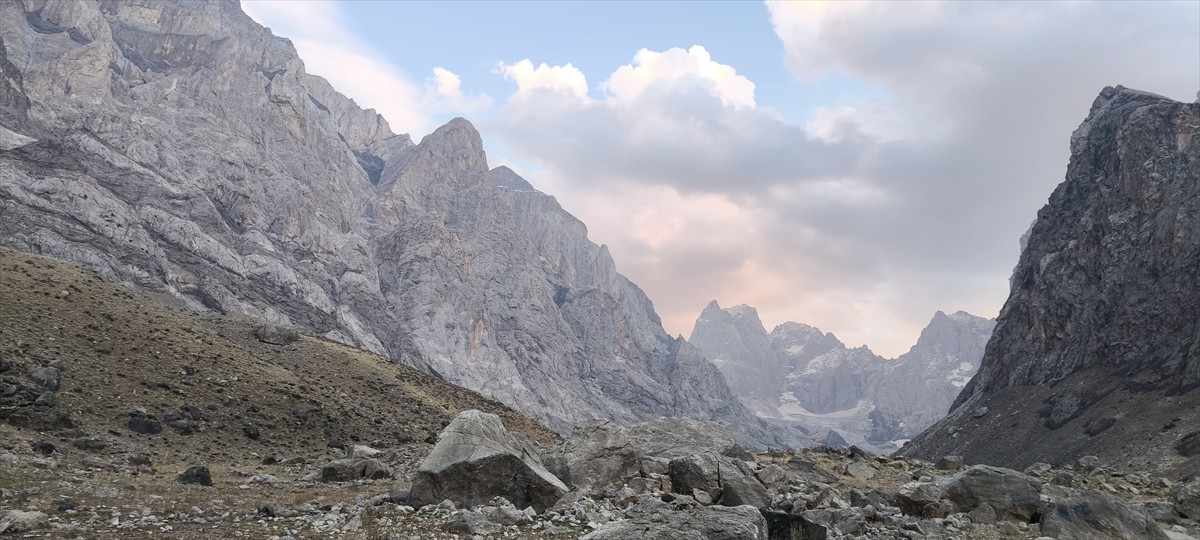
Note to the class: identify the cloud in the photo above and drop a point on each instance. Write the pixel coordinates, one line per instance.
(443, 92)
(873, 215)
(532, 80)
(674, 118)
(651, 68)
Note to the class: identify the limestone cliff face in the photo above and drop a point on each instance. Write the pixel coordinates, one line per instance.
(1097, 349)
(180, 147)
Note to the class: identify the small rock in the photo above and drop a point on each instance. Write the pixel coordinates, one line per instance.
(950, 463)
(94, 462)
(145, 426)
(252, 432)
(979, 412)
(268, 479)
(276, 335)
(42, 447)
(1186, 498)
(48, 377)
(197, 474)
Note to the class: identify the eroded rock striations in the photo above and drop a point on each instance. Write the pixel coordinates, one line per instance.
(181, 147)
(800, 374)
(1097, 349)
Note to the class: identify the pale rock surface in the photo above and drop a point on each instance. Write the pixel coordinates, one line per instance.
(476, 460)
(179, 147)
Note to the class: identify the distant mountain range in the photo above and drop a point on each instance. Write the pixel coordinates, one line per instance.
(800, 374)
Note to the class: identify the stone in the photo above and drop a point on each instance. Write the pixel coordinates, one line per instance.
(145, 426)
(276, 335)
(48, 377)
(351, 469)
(913, 497)
(860, 471)
(1013, 495)
(1186, 497)
(786, 526)
(1095, 514)
(722, 479)
(17, 521)
(470, 522)
(950, 463)
(197, 474)
(983, 514)
(652, 519)
(476, 459)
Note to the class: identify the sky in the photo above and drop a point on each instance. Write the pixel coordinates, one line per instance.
(855, 166)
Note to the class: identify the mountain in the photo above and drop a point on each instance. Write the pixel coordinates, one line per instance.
(180, 147)
(1097, 350)
(734, 339)
(799, 374)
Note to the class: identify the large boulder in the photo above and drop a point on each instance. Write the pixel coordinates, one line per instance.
(600, 453)
(724, 480)
(1095, 514)
(1186, 497)
(476, 459)
(684, 519)
(1013, 495)
(914, 497)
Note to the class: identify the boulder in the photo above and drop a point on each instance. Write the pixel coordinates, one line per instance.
(913, 497)
(600, 453)
(683, 519)
(1013, 495)
(197, 474)
(17, 521)
(1095, 514)
(476, 459)
(276, 335)
(726, 481)
(350, 469)
(1186, 497)
(48, 377)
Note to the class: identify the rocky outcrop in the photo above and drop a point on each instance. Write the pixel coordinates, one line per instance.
(1095, 351)
(476, 459)
(826, 387)
(182, 148)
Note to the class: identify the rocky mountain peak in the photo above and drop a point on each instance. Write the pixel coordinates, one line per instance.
(1101, 323)
(506, 178)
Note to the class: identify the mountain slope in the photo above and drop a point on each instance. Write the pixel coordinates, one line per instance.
(180, 147)
(734, 339)
(1097, 350)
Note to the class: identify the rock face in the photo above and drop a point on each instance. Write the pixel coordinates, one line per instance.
(1095, 351)
(800, 374)
(182, 148)
(476, 459)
